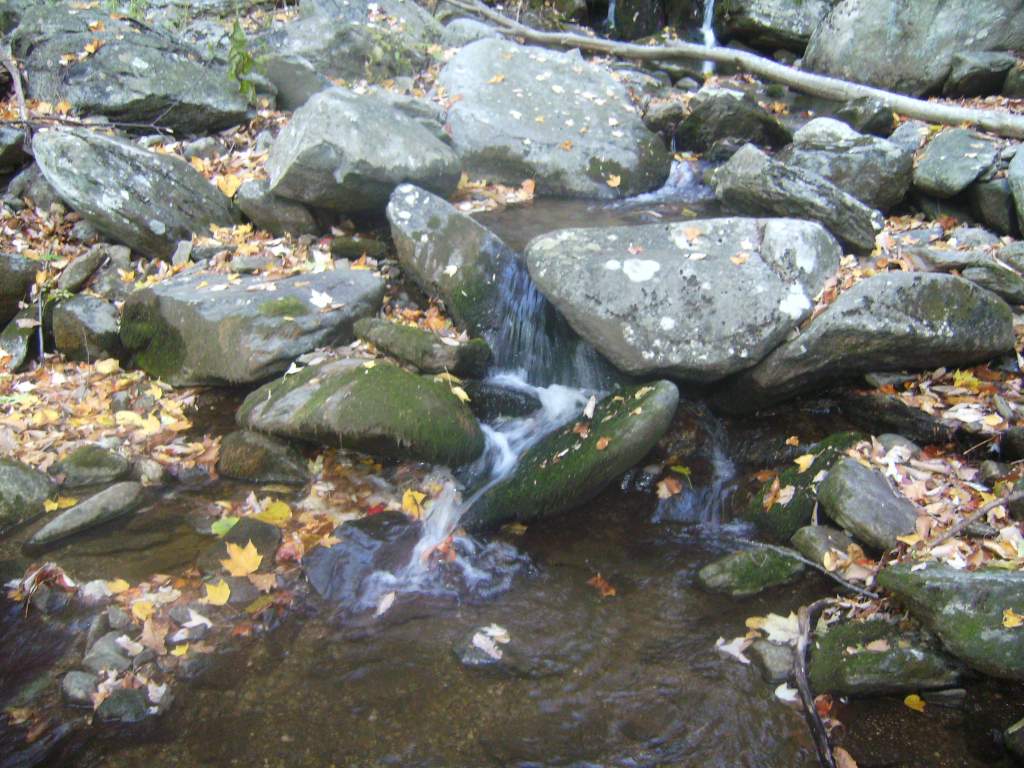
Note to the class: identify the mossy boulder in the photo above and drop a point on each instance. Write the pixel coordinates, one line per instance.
(965, 609)
(745, 573)
(861, 500)
(23, 491)
(875, 658)
(370, 406)
(258, 458)
(577, 461)
(90, 465)
(426, 351)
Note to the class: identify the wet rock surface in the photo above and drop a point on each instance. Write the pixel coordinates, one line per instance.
(109, 504)
(246, 455)
(746, 573)
(424, 350)
(22, 493)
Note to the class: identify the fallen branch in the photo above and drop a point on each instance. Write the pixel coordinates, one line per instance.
(807, 619)
(999, 122)
(972, 518)
(48, 121)
(19, 93)
(817, 566)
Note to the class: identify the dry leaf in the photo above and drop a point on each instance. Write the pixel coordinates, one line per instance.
(804, 462)
(613, 181)
(600, 583)
(217, 594)
(914, 702)
(602, 443)
(1012, 619)
(412, 503)
(229, 184)
(242, 561)
(142, 609)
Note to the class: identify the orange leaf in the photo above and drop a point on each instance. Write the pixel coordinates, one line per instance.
(600, 583)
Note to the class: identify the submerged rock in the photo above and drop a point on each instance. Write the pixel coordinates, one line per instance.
(862, 501)
(109, 504)
(204, 328)
(23, 491)
(676, 299)
(965, 609)
(426, 351)
(374, 407)
(521, 112)
(576, 462)
(745, 573)
(952, 160)
(106, 654)
(124, 705)
(77, 687)
(260, 458)
(91, 465)
(265, 538)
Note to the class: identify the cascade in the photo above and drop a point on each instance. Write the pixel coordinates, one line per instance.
(707, 30)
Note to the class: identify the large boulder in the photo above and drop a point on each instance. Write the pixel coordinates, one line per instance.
(17, 275)
(23, 491)
(919, 39)
(577, 461)
(86, 328)
(113, 66)
(979, 265)
(862, 502)
(202, 328)
(368, 406)
(892, 321)
(721, 113)
(873, 170)
(755, 184)
(952, 161)
(530, 113)
(347, 152)
(770, 24)
(143, 199)
(965, 609)
(695, 300)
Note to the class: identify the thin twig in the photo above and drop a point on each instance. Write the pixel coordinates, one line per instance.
(973, 518)
(48, 121)
(807, 619)
(19, 94)
(786, 552)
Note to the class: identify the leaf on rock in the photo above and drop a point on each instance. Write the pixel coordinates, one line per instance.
(142, 609)
(804, 462)
(242, 561)
(412, 503)
(275, 513)
(61, 502)
(600, 583)
(460, 393)
(602, 443)
(107, 366)
(1012, 619)
(843, 758)
(117, 586)
(734, 648)
(222, 526)
(228, 184)
(914, 702)
(264, 582)
(217, 594)
(613, 181)
(179, 650)
(784, 630)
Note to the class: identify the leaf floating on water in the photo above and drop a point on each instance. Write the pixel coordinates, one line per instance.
(669, 487)
(385, 604)
(734, 648)
(259, 605)
(914, 702)
(602, 443)
(242, 561)
(412, 503)
(600, 583)
(217, 594)
(793, 440)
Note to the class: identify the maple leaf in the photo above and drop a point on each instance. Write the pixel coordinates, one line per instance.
(804, 462)
(242, 561)
(229, 184)
(914, 702)
(217, 594)
(412, 503)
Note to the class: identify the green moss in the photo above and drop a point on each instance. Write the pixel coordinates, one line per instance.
(156, 346)
(286, 306)
(599, 169)
(746, 573)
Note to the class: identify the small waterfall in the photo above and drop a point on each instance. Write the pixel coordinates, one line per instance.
(707, 31)
(704, 503)
(610, 19)
(685, 184)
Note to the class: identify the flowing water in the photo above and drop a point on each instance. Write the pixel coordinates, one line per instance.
(707, 31)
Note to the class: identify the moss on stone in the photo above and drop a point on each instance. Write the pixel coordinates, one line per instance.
(156, 346)
(286, 306)
(748, 572)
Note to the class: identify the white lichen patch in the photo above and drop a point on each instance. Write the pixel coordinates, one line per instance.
(795, 303)
(640, 270)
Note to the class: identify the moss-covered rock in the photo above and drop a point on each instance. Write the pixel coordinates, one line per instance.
(874, 657)
(576, 462)
(90, 465)
(816, 541)
(246, 455)
(423, 349)
(965, 609)
(374, 407)
(22, 493)
(748, 572)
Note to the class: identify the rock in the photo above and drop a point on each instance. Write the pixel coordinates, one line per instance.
(266, 538)
(719, 113)
(109, 504)
(91, 465)
(276, 215)
(295, 78)
(992, 204)
(259, 458)
(490, 401)
(106, 654)
(816, 541)
(745, 573)
(460, 32)
(633, 19)
(18, 340)
(876, 412)
(979, 266)
(1013, 86)
(77, 273)
(12, 149)
(873, 658)
(888, 322)
(919, 37)
(911, 135)
(136, 73)
(78, 687)
(555, 475)
(753, 183)
(143, 199)
(86, 328)
(200, 328)
(372, 407)
(23, 491)
(1014, 739)
(669, 299)
(17, 275)
(355, 247)
(591, 143)
(347, 152)
(862, 502)
(965, 609)
(124, 705)
(868, 115)
(1015, 175)
(978, 74)
(1011, 445)
(31, 185)
(952, 160)
(873, 170)
(774, 660)
(425, 350)
(771, 24)
(888, 441)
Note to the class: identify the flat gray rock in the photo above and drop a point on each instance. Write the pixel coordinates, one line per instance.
(771, 24)
(116, 501)
(952, 160)
(273, 213)
(22, 493)
(863, 503)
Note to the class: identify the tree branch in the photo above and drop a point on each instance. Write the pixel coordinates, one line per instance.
(973, 518)
(808, 617)
(995, 121)
(817, 566)
(12, 69)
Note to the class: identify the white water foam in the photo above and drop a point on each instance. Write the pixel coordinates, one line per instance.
(707, 31)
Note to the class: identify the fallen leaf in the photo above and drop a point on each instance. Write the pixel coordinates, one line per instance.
(613, 181)
(117, 586)
(142, 609)
(217, 594)
(602, 443)
(223, 525)
(843, 758)
(740, 259)
(669, 487)
(412, 503)
(385, 604)
(460, 393)
(914, 702)
(228, 184)
(154, 633)
(787, 694)
(242, 561)
(264, 582)
(486, 644)
(499, 78)
(792, 440)
(275, 513)
(804, 462)
(1012, 619)
(734, 648)
(588, 410)
(107, 366)
(600, 583)
(179, 650)
(784, 630)
(259, 605)
(61, 502)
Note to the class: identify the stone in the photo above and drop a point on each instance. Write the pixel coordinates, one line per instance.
(675, 299)
(295, 78)
(272, 213)
(745, 573)
(1013, 86)
(136, 74)
(19, 340)
(775, 661)
(874, 658)
(490, 401)
(12, 149)
(965, 609)
(873, 170)
(91, 465)
(876, 412)
(202, 328)
(720, 113)
(143, 199)
(863, 502)
(992, 203)
(888, 322)
(1011, 444)
(266, 538)
(109, 504)
(770, 24)
(373, 407)
(77, 273)
(106, 654)
(978, 74)
(1014, 739)
(30, 185)
(952, 161)
(78, 687)
(888, 441)
(1015, 176)
(17, 275)
(260, 458)
(425, 350)
(868, 115)
(816, 541)
(555, 475)
(86, 328)
(503, 90)
(23, 491)
(460, 32)
(356, 246)
(919, 38)
(979, 266)
(754, 184)
(633, 19)
(911, 135)
(347, 152)
(124, 705)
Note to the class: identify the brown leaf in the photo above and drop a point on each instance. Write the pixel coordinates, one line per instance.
(843, 758)
(600, 583)
(602, 443)
(154, 631)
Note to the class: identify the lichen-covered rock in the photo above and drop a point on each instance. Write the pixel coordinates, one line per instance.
(979, 266)
(952, 160)
(521, 112)
(258, 458)
(771, 24)
(748, 572)
(91, 465)
(862, 501)
(567, 469)
(143, 199)
(275, 214)
(719, 113)
(86, 328)
(965, 609)
(23, 491)
(204, 328)
(109, 504)
(425, 350)
(978, 74)
(374, 407)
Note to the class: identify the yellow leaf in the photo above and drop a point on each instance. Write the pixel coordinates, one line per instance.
(966, 380)
(259, 604)
(992, 420)
(179, 650)
(93, 46)
(217, 594)
(613, 181)
(804, 462)
(107, 366)
(412, 503)
(496, 79)
(1012, 619)
(910, 540)
(448, 377)
(63, 107)
(142, 609)
(127, 419)
(61, 502)
(198, 163)
(150, 425)
(228, 184)
(914, 702)
(460, 393)
(242, 561)
(117, 586)
(276, 513)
